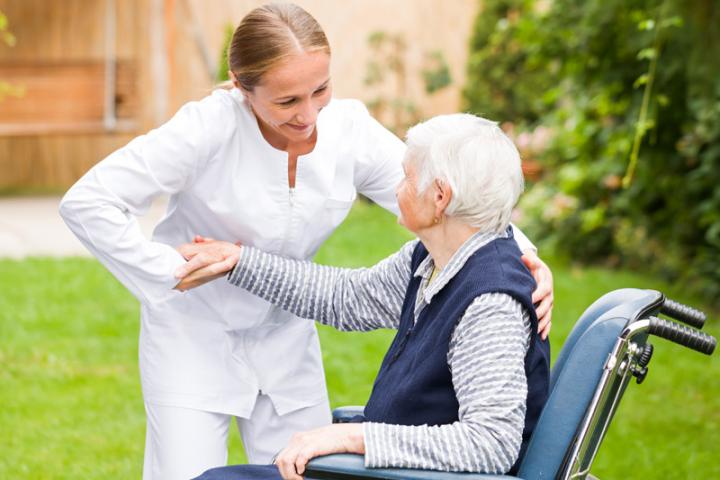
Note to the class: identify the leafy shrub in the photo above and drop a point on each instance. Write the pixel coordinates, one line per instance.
(387, 76)
(7, 38)
(605, 78)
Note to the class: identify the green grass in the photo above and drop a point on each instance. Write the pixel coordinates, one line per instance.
(70, 398)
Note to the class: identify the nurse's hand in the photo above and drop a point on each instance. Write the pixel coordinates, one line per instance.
(207, 260)
(543, 294)
(338, 438)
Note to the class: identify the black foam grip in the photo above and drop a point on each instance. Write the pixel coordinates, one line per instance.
(682, 335)
(683, 313)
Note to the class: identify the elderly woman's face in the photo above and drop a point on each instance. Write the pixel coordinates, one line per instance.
(416, 211)
(290, 96)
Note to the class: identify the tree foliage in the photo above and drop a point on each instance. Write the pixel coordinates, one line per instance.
(7, 38)
(388, 76)
(629, 90)
(222, 74)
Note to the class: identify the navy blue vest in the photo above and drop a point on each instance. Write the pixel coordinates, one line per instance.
(414, 384)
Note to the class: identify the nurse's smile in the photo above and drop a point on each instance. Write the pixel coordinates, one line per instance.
(300, 128)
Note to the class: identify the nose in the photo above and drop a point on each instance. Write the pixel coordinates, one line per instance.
(307, 114)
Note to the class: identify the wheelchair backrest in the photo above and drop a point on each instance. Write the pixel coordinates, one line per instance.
(575, 377)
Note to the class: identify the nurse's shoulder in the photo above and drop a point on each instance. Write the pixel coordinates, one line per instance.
(193, 136)
(354, 124)
(349, 113)
(212, 119)
(375, 152)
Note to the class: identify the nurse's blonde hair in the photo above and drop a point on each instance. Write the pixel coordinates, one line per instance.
(267, 35)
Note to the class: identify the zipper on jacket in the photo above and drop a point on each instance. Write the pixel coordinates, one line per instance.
(286, 238)
(291, 208)
(402, 345)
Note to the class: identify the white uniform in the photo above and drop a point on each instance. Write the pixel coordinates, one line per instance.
(213, 352)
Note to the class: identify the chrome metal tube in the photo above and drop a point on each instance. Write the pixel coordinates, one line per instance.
(615, 377)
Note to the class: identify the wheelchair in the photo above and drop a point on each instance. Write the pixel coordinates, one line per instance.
(608, 346)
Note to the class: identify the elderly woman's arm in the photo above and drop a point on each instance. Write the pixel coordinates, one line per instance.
(344, 298)
(486, 359)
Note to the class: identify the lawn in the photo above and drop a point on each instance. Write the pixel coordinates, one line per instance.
(70, 392)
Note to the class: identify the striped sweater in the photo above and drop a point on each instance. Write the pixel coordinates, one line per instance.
(485, 358)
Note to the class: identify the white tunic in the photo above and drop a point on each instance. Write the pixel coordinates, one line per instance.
(215, 347)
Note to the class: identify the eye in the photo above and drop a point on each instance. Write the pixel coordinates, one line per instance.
(287, 103)
(321, 89)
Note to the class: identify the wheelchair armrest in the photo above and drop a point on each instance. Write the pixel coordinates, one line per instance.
(349, 467)
(345, 414)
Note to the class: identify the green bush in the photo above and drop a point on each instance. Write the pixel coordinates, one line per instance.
(596, 80)
(6, 37)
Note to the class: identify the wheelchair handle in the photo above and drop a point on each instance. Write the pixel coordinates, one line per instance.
(682, 335)
(683, 313)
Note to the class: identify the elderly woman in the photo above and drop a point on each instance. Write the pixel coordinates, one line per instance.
(466, 376)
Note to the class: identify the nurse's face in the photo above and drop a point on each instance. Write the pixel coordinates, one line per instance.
(290, 96)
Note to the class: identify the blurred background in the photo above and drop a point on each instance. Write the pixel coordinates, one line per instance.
(614, 104)
(82, 77)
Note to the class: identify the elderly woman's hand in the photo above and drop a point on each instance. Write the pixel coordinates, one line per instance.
(543, 294)
(338, 438)
(207, 260)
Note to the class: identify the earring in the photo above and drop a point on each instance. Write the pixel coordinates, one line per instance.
(436, 220)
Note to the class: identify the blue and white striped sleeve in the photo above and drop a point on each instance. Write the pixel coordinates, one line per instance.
(344, 298)
(487, 362)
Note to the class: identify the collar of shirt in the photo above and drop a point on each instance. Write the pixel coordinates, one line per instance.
(457, 261)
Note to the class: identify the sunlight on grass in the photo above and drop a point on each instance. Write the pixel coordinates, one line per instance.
(70, 391)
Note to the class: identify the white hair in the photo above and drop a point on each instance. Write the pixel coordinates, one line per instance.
(479, 162)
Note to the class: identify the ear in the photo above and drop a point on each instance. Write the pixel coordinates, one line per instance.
(442, 195)
(235, 81)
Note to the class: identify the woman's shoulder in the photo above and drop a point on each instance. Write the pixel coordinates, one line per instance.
(208, 123)
(209, 110)
(219, 102)
(347, 109)
(215, 116)
(352, 118)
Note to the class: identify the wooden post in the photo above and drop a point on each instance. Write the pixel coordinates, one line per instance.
(109, 113)
(170, 43)
(159, 64)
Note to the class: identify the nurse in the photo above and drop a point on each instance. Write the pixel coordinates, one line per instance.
(275, 163)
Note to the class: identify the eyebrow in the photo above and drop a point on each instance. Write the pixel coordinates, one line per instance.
(290, 97)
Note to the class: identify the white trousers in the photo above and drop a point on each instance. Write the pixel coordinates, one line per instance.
(181, 443)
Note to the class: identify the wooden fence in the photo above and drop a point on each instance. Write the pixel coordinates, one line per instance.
(98, 72)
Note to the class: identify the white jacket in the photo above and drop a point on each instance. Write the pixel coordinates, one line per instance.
(213, 348)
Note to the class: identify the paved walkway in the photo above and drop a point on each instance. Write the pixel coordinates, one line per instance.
(31, 226)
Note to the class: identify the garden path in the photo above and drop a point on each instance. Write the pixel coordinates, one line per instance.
(31, 226)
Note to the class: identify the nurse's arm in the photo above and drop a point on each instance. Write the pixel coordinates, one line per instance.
(102, 208)
(344, 298)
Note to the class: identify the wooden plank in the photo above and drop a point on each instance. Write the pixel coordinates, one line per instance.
(54, 30)
(54, 93)
(52, 161)
(75, 128)
(64, 94)
(53, 155)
